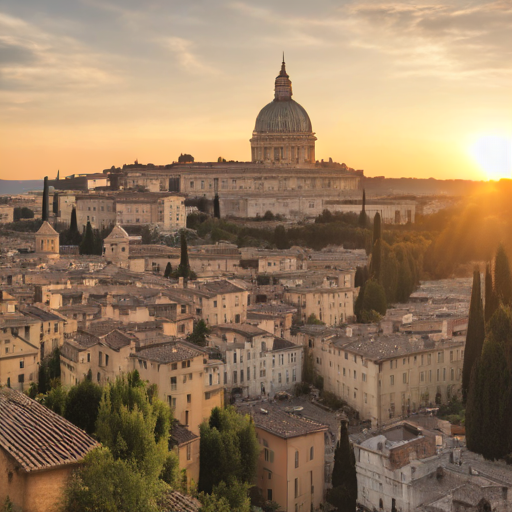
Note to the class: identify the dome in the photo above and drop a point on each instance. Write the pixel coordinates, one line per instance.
(283, 117)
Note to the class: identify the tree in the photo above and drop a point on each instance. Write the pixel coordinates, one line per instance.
(45, 208)
(87, 246)
(313, 320)
(168, 270)
(184, 266)
(491, 301)
(502, 278)
(363, 218)
(343, 494)
(235, 493)
(280, 237)
(111, 485)
(216, 207)
(82, 405)
(55, 399)
(73, 226)
(308, 367)
(198, 336)
(475, 333)
(229, 449)
(377, 228)
(376, 261)
(55, 205)
(49, 370)
(371, 302)
(134, 424)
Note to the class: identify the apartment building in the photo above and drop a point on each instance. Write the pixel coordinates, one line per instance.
(292, 458)
(389, 376)
(256, 362)
(102, 210)
(182, 372)
(331, 305)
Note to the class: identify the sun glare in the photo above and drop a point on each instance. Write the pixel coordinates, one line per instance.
(493, 153)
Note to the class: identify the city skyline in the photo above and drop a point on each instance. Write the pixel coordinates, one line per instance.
(397, 89)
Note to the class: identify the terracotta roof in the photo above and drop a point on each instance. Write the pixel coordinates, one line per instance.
(36, 437)
(174, 501)
(281, 423)
(280, 344)
(181, 434)
(168, 353)
(41, 314)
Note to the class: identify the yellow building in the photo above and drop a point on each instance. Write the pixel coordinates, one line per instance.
(291, 465)
(38, 452)
(186, 445)
(47, 240)
(181, 371)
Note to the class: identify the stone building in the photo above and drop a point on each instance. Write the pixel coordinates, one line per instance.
(283, 131)
(39, 450)
(6, 214)
(47, 241)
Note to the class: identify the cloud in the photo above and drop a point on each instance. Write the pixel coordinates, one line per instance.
(438, 38)
(182, 49)
(32, 59)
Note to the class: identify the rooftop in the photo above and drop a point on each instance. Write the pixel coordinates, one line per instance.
(36, 437)
(170, 352)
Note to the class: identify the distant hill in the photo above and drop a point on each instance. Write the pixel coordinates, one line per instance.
(8, 187)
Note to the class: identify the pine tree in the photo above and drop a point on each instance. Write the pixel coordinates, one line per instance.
(87, 246)
(45, 208)
(502, 278)
(216, 206)
(475, 333)
(363, 218)
(168, 270)
(491, 301)
(343, 494)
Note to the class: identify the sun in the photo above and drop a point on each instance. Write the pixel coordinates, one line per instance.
(493, 153)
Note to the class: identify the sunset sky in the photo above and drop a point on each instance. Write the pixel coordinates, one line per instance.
(395, 88)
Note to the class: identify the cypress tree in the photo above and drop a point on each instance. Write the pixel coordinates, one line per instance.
(87, 246)
(359, 277)
(475, 333)
(55, 205)
(343, 494)
(491, 301)
(73, 226)
(502, 279)
(216, 207)
(45, 209)
(474, 411)
(168, 270)
(389, 272)
(377, 228)
(376, 261)
(184, 266)
(363, 219)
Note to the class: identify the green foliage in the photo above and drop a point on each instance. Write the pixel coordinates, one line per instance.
(8, 506)
(216, 206)
(45, 207)
(88, 244)
(49, 370)
(235, 493)
(198, 335)
(55, 399)
(104, 483)
(313, 320)
(22, 213)
(168, 270)
(377, 228)
(453, 411)
(82, 405)
(491, 300)
(343, 494)
(23, 226)
(331, 400)
(183, 269)
(171, 471)
(73, 226)
(280, 237)
(376, 261)
(134, 424)
(488, 412)
(363, 218)
(371, 300)
(502, 278)
(229, 449)
(475, 333)
(213, 503)
(308, 367)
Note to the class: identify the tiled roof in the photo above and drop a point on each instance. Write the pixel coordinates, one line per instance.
(168, 353)
(219, 287)
(280, 344)
(174, 501)
(36, 437)
(181, 434)
(246, 330)
(41, 314)
(280, 423)
(116, 339)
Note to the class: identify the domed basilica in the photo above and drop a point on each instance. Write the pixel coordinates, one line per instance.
(283, 133)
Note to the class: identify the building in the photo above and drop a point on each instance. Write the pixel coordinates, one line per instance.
(38, 452)
(186, 444)
(131, 209)
(6, 214)
(182, 372)
(385, 376)
(47, 241)
(256, 362)
(283, 133)
(292, 458)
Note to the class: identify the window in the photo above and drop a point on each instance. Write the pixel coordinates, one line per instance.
(364, 377)
(269, 492)
(189, 399)
(56, 327)
(234, 377)
(355, 376)
(296, 458)
(174, 366)
(268, 455)
(22, 364)
(174, 383)
(312, 453)
(100, 359)
(89, 357)
(346, 355)
(404, 378)
(189, 451)
(392, 380)
(234, 357)
(296, 487)
(106, 359)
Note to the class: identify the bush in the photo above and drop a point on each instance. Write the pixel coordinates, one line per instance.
(331, 400)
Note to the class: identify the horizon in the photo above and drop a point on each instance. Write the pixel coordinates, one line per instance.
(396, 90)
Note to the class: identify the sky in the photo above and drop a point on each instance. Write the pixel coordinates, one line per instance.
(399, 89)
